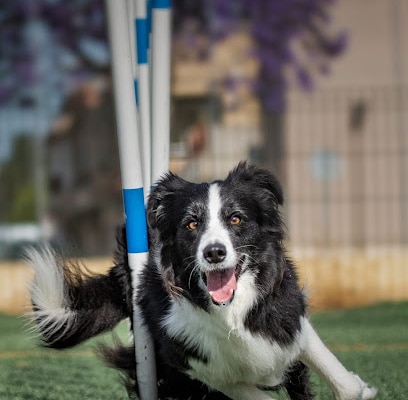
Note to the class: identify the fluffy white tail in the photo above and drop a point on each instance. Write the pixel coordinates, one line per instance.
(70, 306)
(49, 295)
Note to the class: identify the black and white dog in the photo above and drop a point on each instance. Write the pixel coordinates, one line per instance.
(218, 294)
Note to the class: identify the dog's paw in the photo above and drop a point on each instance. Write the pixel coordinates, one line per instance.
(356, 389)
(367, 393)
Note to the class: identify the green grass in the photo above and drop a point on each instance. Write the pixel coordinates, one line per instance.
(29, 372)
(371, 341)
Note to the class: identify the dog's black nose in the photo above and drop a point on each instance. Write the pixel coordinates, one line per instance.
(215, 253)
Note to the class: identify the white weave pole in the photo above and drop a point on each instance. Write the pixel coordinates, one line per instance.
(161, 58)
(132, 182)
(142, 39)
(131, 11)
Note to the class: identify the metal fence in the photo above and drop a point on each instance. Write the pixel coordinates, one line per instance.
(347, 167)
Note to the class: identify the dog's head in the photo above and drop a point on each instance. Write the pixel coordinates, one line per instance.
(212, 234)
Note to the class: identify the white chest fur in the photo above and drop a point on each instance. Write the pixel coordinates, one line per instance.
(234, 354)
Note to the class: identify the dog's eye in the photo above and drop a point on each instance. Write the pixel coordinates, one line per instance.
(192, 225)
(235, 220)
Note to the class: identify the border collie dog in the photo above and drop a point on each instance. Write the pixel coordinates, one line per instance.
(218, 294)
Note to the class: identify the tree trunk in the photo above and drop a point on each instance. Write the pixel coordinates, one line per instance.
(271, 154)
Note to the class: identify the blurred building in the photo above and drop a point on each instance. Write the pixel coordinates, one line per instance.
(216, 92)
(347, 142)
(84, 176)
(343, 160)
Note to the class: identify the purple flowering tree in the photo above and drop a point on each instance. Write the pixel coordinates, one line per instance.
(49, 41)
(79, 46)
(78, 28)
(275, 25)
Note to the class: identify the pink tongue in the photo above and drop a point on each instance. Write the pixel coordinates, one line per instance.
(221, 284)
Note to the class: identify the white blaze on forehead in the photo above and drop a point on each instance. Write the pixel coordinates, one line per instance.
(214, 206)
(215, 230)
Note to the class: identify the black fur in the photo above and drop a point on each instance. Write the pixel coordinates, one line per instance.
(102, 301)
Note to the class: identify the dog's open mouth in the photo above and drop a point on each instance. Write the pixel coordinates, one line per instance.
(222, 284)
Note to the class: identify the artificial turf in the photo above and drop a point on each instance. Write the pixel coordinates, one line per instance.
(372, 341)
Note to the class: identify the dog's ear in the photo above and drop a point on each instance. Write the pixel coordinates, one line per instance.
(263, 180)
(165, 187)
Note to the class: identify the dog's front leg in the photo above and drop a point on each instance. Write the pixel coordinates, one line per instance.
(345, 384)
(244, 391)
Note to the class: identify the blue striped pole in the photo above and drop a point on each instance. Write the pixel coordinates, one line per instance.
(161, 62)
(142, 39)
(132, 182)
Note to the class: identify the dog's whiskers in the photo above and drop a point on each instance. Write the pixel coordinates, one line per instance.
(187, 258)
(241, 253)
(194, 270)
